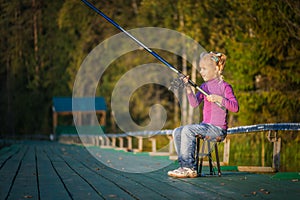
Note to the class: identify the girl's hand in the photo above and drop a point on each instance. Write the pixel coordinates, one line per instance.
(186, 83)
(214, 98)
(185, 79)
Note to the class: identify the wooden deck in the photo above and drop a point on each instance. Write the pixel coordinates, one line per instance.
(50, 170)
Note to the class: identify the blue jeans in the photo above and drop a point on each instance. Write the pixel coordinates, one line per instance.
(185, 140)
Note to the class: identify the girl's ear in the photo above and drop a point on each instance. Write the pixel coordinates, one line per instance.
(217, 68)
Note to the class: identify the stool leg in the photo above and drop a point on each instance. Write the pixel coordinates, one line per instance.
(201, 159)
(218, 160)
(197, 153)
(209, 158)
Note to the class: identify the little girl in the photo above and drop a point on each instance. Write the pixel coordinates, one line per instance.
(214, 124)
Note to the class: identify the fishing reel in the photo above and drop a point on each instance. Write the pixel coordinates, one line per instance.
(177, 83)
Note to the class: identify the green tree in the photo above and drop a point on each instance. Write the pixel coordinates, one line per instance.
(263, 57)
(43, 44)
(32, 56)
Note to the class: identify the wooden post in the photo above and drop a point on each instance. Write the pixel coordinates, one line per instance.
(276, 154)
(102, 118)
(140, 143)
(262, 149)
(171, 145)
(107, 142)
(113, 142)
(129, 143)
(101, 141)
(97, 141)
(94, 139)
(121, 142)
(54, 124)
(153, 141)
(272, 137)
(226, 151)
(78, 117)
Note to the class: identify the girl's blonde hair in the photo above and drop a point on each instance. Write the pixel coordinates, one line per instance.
(214, 59)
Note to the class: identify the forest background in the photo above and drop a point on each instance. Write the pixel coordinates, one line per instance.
(43, 44)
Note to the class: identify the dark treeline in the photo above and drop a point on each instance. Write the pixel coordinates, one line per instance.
(43, 44)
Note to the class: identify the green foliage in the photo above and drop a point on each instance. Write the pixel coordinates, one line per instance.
(254, 149)
(43, 45)
(29, 68)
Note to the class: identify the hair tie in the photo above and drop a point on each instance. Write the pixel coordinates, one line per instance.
(216, 56)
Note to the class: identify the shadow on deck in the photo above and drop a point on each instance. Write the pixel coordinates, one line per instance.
(50, 170)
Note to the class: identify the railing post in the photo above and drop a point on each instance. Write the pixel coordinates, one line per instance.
(107, 142)
(129, 142)
(153, 142)
(113, 141)
(54, 116)
(121, 142)
(171, 145)
(140, 143)
(101, 141)
(226, 151)
(272, 137)
(276, 154)
(96, 140)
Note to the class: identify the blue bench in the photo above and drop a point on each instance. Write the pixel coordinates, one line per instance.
(78, 107)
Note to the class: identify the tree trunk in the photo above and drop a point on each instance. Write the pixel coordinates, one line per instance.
(184, 98)
(36, 26)
(193, 78)
(35, 35)
(10, 126)
(184, 103)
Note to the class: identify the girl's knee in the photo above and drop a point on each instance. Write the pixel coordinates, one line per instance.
(176, 132)
(186, 130)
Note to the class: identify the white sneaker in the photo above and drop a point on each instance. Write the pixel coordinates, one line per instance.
(184, 172)
(175, 171)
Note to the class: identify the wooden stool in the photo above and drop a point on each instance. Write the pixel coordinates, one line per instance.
(200, 162)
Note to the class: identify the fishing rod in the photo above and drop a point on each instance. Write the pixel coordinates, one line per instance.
(153, 53)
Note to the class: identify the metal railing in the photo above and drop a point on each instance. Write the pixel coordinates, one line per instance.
(125, 140)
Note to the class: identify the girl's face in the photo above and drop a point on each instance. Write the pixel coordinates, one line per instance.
(208, 70)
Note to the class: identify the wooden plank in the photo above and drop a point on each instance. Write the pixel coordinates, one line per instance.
(222, 187)
(8, 172)
(132, 187)
(76, 185)
(71, 172)
(170, 188)
(25, 184)
(189, 186)
(7, 152)
(104, 186)
(259, 186)
(230, 185)
(50, 184)
(211, 185)
(162, 185)
(255, 169)
(129, 161)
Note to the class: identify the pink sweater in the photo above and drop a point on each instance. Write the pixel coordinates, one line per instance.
(212, 113)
